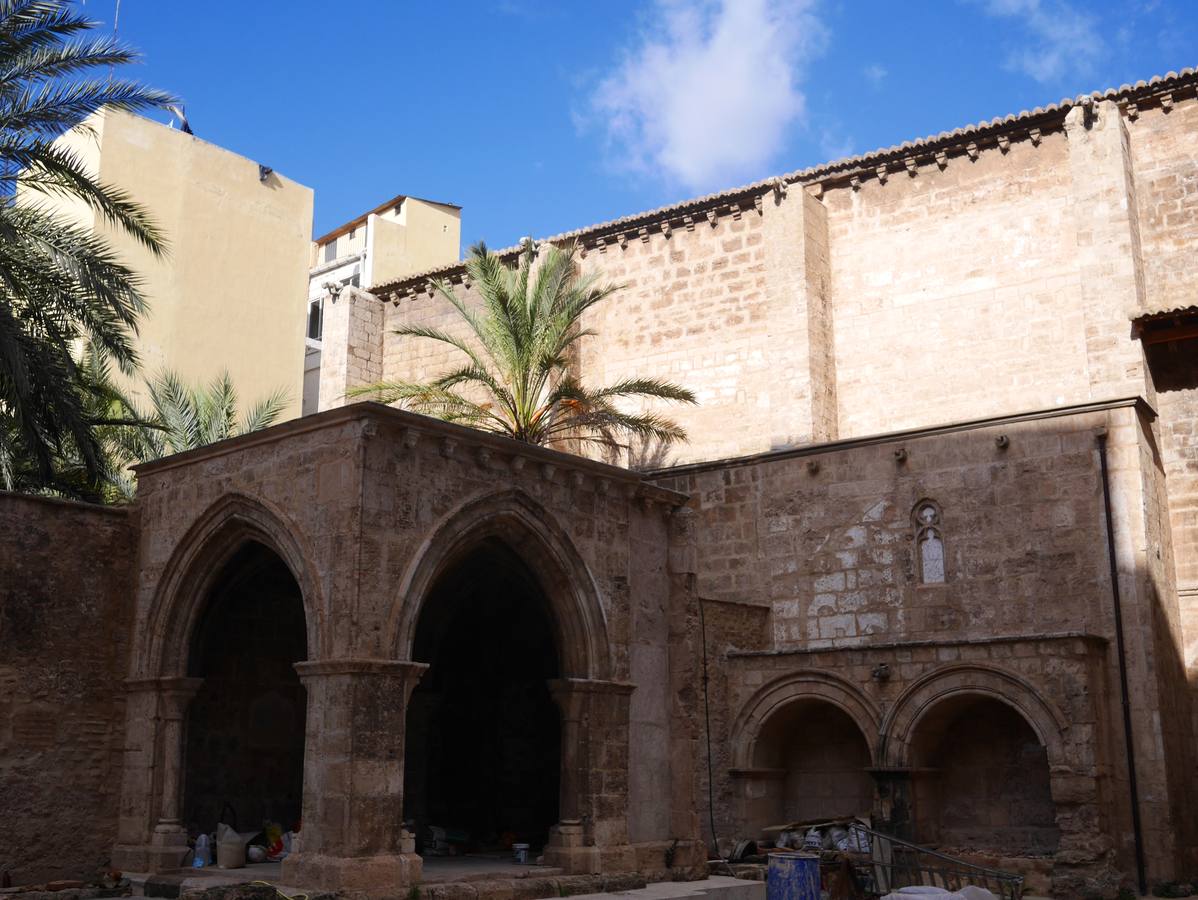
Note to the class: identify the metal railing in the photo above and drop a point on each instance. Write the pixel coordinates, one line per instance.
(891, 863)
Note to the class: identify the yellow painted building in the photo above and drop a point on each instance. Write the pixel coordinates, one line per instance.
(230, 295)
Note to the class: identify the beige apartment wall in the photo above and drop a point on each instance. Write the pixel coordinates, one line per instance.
(424, 236)
(231, 293)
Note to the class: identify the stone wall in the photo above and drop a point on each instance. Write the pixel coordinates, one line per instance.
(66, 574)
(822, 542)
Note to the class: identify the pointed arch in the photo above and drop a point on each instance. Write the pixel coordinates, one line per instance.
(532, 533)
(222, 529)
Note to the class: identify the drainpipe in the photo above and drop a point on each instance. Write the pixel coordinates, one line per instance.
(1117, 603)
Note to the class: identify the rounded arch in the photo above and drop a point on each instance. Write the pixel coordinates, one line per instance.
(902, 721)
(775, 696)
(530, 531)
(222, 529)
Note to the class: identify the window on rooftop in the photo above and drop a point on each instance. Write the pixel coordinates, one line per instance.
(330, 251)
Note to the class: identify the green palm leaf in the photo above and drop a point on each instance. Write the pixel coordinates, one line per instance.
(516, 377)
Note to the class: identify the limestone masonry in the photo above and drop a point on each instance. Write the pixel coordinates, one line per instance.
(935, 529)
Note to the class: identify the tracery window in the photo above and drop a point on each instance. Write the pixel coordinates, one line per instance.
(929, 542)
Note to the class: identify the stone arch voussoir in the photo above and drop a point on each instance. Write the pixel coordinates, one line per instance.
(212, 539)
(970, 679)
(538, 539)
(798, 687)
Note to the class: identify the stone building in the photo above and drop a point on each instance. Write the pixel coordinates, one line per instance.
(931, 553)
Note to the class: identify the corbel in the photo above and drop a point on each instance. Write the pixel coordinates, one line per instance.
(735, 210)
(518, 463)
(582, 249)
(467, 281)
(576, 480)
(410, 438)
(689, 222)
(855, 183)
(484, 457)
(759, 205)
(429, 289)
(972, 149)
(882, 174)
(909, 162)
(623, 239)
(1004, 142)
(816, 190)
(547, 471)
(602, 486)
(1167, 101)
(1133, 110)
(666, 230)
(942, 159)
(1035, 135)
(643, 233)
(780, 187)
(448, 447)
(712, 218)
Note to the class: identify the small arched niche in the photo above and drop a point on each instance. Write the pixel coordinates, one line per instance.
(483, 736)
(244, 746)
(982, 779)
(822, 760)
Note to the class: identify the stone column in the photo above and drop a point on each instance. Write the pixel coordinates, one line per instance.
(592, 835)
(353, 837)
(351, 347)
(168, 842)
(799, 344)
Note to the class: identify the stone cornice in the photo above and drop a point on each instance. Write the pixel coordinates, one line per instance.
(453, 442)
(858, 645)
(906, 158)
(1138, 403)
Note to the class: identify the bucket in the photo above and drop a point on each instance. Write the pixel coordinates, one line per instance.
(793, 876)
(230, 854)
(520, 854)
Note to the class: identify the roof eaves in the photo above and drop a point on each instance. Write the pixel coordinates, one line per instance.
(1159, 87)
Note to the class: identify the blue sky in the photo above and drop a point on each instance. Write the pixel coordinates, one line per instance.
(539, 118)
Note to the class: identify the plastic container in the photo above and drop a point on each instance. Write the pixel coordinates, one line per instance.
(230, 854)
(520, 854)
(203, 853)
(793, 876)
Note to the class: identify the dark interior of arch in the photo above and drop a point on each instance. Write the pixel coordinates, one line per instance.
(483, 738)
(822, 760)
(244, 760)
(982, 779)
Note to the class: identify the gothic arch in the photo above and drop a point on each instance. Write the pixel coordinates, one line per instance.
(531, 532)
(197, 560)
(798, 687)
(902, 720)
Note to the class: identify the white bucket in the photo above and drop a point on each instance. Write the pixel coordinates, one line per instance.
(520, 854)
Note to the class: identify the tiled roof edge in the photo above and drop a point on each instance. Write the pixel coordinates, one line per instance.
(1160, 86)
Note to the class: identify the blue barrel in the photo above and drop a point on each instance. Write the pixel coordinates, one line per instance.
(793, 876)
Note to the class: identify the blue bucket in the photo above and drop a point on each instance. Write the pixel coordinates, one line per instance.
(793, 876)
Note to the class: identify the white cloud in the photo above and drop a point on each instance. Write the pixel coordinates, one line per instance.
(709, 92)
(875, 74)
(1062, 40)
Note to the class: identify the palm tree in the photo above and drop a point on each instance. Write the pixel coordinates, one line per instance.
(184, 417)
(60, 284)
(515, 379)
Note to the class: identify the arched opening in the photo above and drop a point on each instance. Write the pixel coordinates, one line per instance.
(822, 760)
(483, 736)
(982, 779)
(244, 756)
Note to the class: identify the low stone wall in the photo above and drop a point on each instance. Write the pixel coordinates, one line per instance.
(66, 594)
